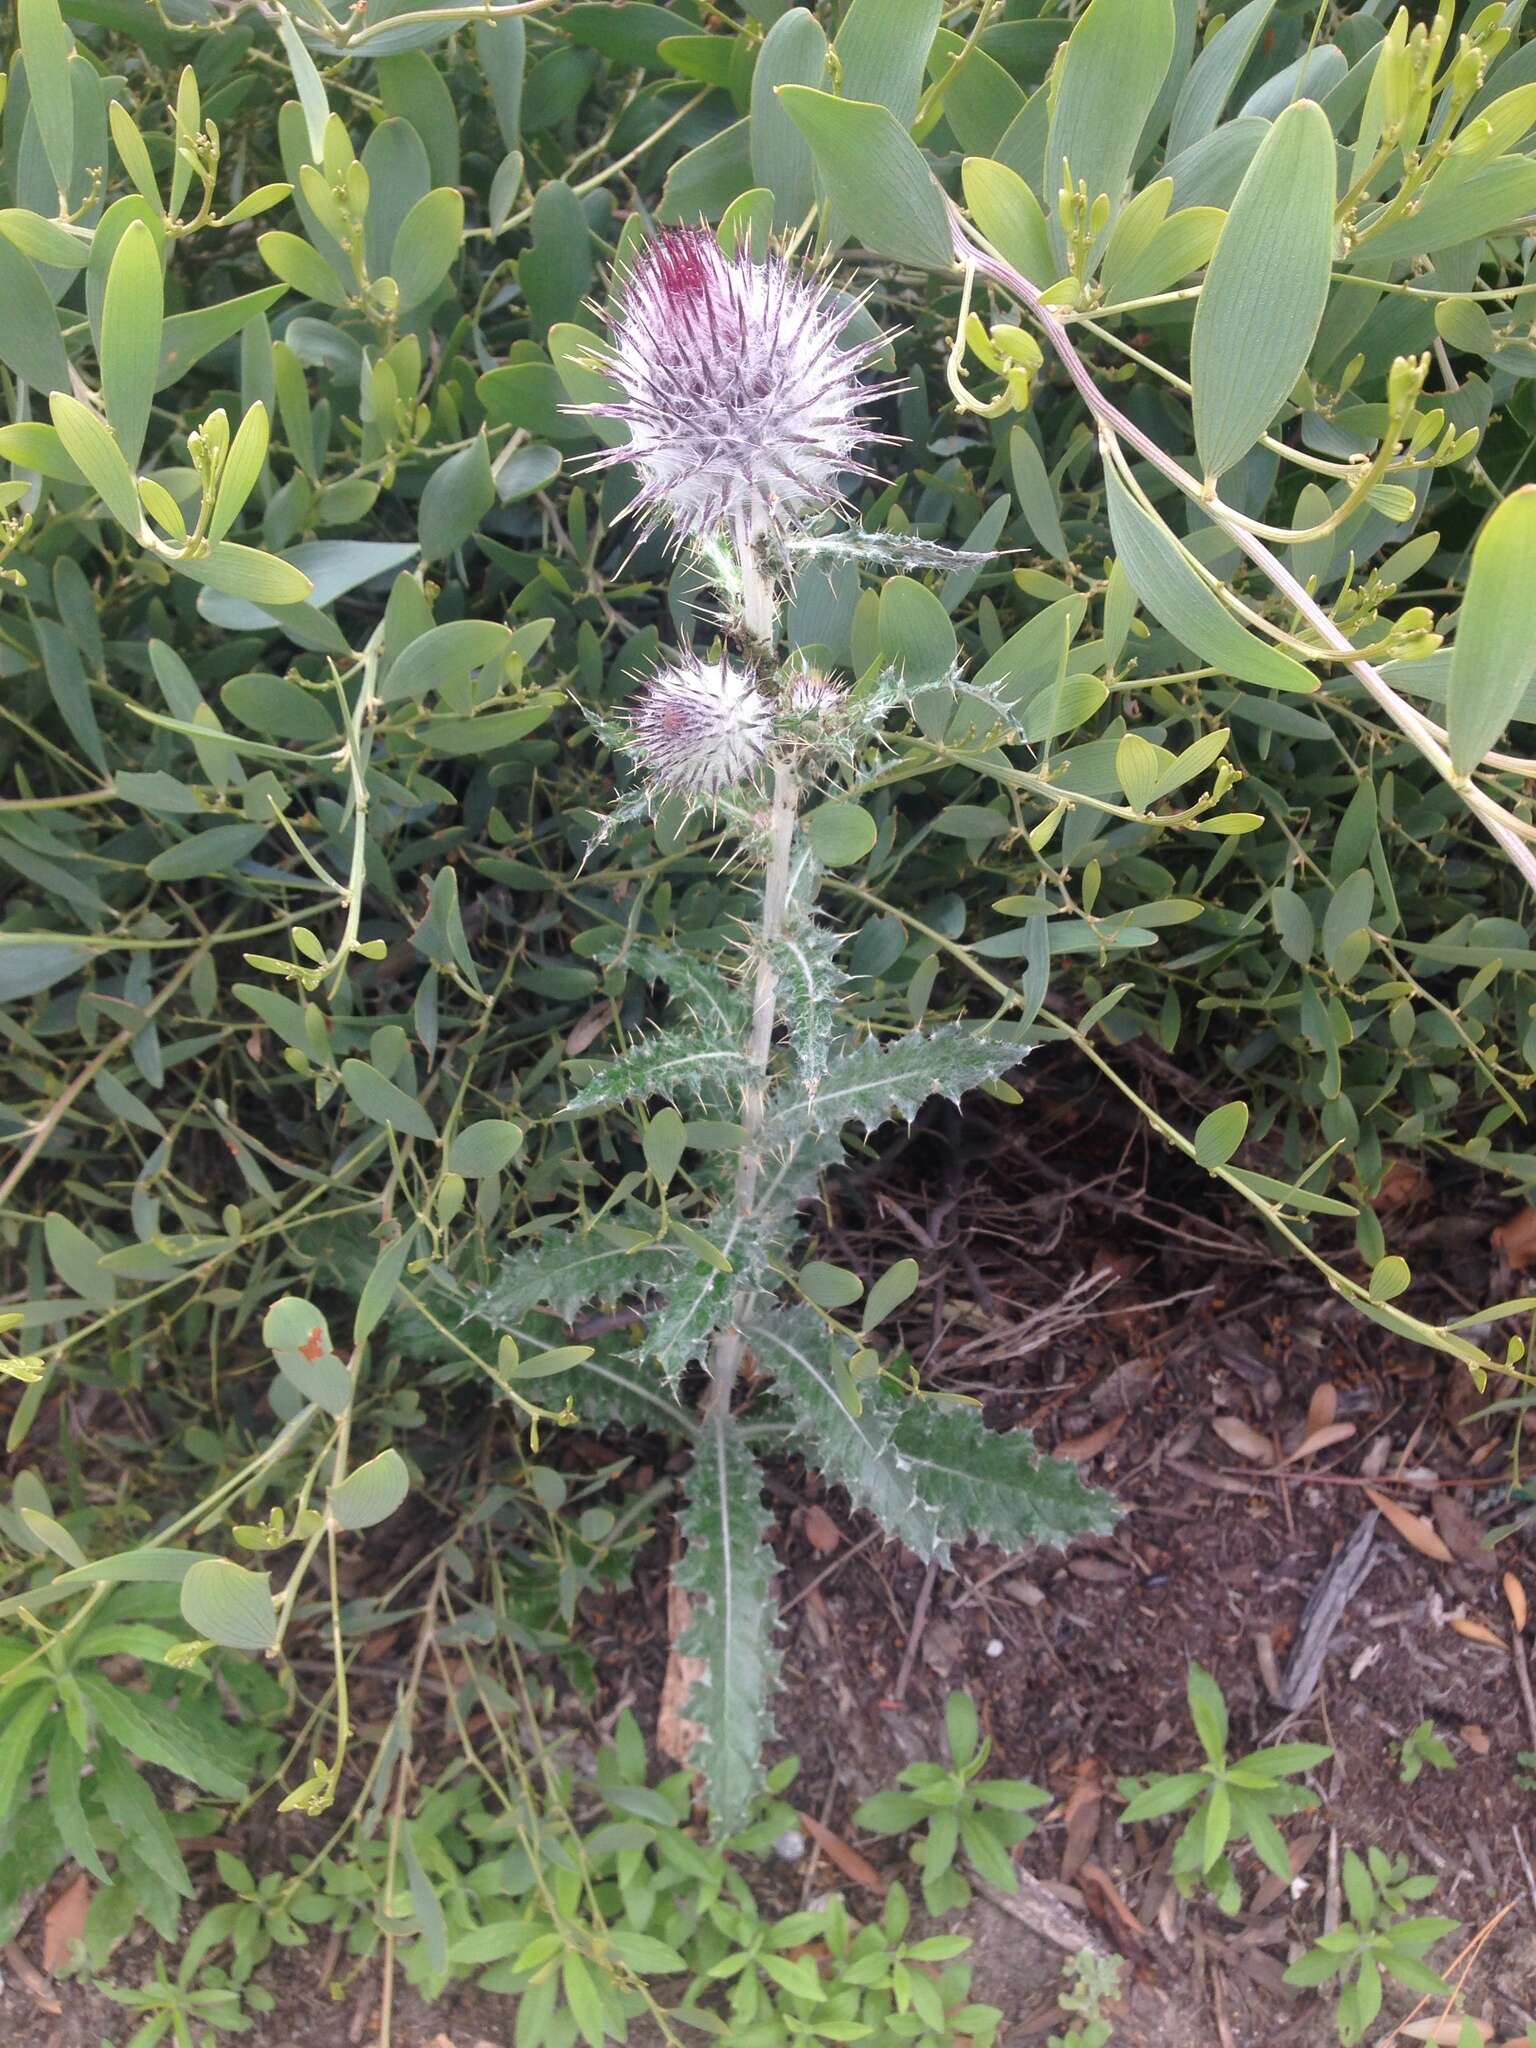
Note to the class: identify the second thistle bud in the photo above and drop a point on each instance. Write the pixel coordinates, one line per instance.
(700, 727)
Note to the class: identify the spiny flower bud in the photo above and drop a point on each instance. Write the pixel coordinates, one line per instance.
(743, 411)
(700, 727)
(810, 695)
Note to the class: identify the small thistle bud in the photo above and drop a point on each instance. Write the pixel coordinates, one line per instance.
(700, 727)
(810, 695)
(743, 411)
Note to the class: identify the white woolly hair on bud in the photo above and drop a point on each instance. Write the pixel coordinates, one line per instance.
(812, 695)
(700, 727)
(743, 410)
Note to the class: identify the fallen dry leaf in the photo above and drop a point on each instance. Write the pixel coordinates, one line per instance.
(1300, 1850)
(1476, 1739)
(1098, 1571)
(821, 1532)
(1478, 1632)
(1415, 1531)
(1449, 2031)
(676, 1735)
(1322, 1439)
(64, 1924)
(1514, 1593)
(31, 1980)
(586, 1028)
(943, 1647)
(856, 1868)
(1515, 1241)
(1098, 1877)
(1463, 1536)
(1081, 1448)
(1239, 1436)
(1403, 1186)
(1323, 1407)
(1080, 1811)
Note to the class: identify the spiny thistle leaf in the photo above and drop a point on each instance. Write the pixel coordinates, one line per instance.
(856, 1451)
(568, 1272)
(691, 1309)
(877, 1082)
(727, 1569)
(893, 692)
(929, 1474)
(682, 1066)
(883, 550)
(808, 985)
(697, 986)
(995, 1484)
(792, 1170)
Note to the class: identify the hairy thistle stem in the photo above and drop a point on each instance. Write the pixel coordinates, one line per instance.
(761, 624)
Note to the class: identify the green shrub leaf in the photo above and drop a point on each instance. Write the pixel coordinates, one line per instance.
(370, 1493)
(1265, 288)
(1494, 658)
(876, 177)
(229, 1605)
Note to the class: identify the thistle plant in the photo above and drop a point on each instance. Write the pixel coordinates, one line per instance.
(746, 408)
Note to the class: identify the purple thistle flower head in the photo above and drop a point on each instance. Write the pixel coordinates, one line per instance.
(743, 411)
(700, 727)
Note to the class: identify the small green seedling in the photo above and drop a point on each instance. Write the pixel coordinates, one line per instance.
(1233, 1802)
(1421, 1746)
(960, 1810)
(1094, 1982)
(1380, 1938)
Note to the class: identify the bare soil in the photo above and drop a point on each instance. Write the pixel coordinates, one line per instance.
(1116, 1312)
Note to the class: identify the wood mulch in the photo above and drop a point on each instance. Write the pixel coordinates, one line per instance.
(1254, 1430)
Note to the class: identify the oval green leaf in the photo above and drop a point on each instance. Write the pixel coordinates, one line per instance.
(383, 1103)
(889, 1292)
(1171, 589)
(132, 313)
(89, 444)
(371, 1493)
(840, 833)
(250, 573)
(1494, 658)
(1111, 73)
(484, 1148)
(229, 1605)
(877, 179)
(46, 45)
(1219, 1134)
(1265, 288)
(300, 265)
(1011, 218)
(30, 342)
(794, 52)
(242, 468)
(429, 240)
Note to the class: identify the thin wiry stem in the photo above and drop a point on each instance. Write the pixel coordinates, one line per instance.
(1113, 425)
